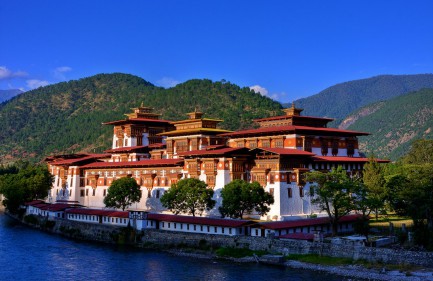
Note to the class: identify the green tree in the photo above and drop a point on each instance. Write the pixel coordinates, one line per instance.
(411, 194)
(188, 196)
(240, 197)
(333, 194)
(122, 193)
(24, 183)
(374, 181)
(421, 152)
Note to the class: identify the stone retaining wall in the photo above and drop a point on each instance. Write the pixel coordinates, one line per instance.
(168, 239)
(387, 256)
(86, 231)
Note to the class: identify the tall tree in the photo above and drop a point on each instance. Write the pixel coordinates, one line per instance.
(333, 194)
(240, 197)
(411, 194)
(122, 193)
(421, 152)
(188, 196)
(374, 181)
(24, 182)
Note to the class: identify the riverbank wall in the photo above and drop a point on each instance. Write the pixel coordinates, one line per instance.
(287, 247)
(160, 239)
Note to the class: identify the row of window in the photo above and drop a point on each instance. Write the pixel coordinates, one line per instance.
(83, 193)
(194, 227)
(95, 218)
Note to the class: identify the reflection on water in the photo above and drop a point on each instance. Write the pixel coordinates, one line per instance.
(28, 254)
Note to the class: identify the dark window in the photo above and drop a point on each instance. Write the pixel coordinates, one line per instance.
(289, 192)
(105, 192)
(157, 194)
(93, 192)
(82, 192)
(87, 192)
(301, 191)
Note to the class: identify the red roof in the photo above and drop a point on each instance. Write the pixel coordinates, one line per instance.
(34, 202)
(142, 163)
(293, 129)
(98, 212)
(292, 116)
(135, 148)
(136, 120)
(221, 151)
(125, 149)
(72, 161)
(157, 145)
(287, 151)
(345, 159)
(199, 220)
(56, 207)
(305, 222)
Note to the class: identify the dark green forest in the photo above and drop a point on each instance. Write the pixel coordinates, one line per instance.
(67, 117)
(340, 100)
(396, 124)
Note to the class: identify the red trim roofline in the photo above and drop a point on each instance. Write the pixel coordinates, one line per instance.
(290, 117)
(345, 159)
(136, 120)
(293, 129)
(205, 152)
(286, 151)
(142, 163)
(199, 220)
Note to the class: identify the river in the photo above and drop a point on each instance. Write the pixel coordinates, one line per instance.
(29, 254)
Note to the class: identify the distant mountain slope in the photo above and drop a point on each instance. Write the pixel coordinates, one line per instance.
(8, 94)
(66, 117)
(340, 100)
(394, 124)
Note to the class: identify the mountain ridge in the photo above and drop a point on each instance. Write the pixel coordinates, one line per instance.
(340, 100)
(397, 123)
(8, 94)
(66, 117)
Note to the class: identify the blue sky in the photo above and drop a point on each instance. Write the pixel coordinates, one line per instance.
(287, 49)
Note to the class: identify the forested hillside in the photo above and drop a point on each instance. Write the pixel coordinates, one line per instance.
(342, 99)
(66, 117)
(394, 124)
(8, 94)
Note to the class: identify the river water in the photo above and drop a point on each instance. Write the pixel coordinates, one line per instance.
(28, 254)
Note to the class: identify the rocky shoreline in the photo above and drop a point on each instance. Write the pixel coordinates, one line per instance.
(350, 271)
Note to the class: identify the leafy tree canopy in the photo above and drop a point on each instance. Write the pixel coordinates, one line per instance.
(22, 183)
(122, 193)
(188, 196)
(240, 197)
(420, 153)
(374, 181)
(332, 193)
(410, 193)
